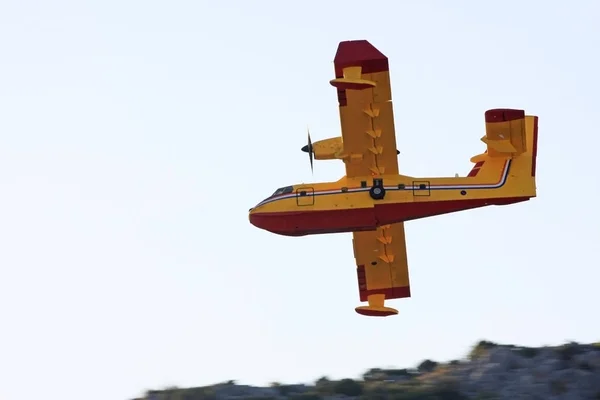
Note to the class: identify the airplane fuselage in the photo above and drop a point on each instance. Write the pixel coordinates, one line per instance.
(351, 205)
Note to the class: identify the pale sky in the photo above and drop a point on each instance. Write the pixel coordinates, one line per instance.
(135, 136)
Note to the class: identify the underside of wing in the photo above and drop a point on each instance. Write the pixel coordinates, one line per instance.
(382, 268)
(366, 114)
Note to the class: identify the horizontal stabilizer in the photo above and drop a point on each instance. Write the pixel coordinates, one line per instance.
(505, 132)
(501, 146)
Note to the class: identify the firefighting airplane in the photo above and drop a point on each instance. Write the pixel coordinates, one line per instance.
(373, 200)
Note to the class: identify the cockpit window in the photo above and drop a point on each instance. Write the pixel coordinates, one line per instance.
(283, 190)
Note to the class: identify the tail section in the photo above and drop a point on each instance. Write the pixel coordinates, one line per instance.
(510, 135)
(505, 133)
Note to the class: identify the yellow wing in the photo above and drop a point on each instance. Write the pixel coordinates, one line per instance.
(366, 115)
(382, 268)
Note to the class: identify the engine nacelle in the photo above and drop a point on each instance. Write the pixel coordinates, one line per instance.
(328, 149)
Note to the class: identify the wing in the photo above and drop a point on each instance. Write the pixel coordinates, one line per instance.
(382, 268)
(366, 115)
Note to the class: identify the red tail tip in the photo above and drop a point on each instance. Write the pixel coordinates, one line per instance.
(503, 115)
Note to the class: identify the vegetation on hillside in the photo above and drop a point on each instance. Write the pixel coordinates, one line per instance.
(429, 380)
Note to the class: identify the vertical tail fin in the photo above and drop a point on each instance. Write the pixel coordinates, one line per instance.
(531, 129)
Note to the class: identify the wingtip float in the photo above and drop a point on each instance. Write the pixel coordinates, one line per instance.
(373, 200)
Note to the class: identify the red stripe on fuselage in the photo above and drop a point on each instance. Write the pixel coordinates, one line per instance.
(301, 223)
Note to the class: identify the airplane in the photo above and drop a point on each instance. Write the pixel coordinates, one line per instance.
(373, 200)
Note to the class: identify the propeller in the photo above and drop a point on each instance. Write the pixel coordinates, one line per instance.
(309, 149)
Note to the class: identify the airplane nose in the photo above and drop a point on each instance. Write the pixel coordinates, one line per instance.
(305, 149)
(256, 220)
(262, 221)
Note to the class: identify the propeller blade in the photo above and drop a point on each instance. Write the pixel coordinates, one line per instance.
(310, 151)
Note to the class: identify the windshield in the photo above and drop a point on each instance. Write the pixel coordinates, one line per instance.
(283, 190)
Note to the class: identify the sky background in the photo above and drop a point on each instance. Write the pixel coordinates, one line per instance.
(135, 136)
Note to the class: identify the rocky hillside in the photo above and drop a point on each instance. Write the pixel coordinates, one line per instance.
(491, 371)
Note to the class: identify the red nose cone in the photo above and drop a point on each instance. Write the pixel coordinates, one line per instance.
(254, 220)
(269, 222)
(278, 223)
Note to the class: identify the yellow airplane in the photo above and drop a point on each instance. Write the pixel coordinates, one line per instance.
(373, 200)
